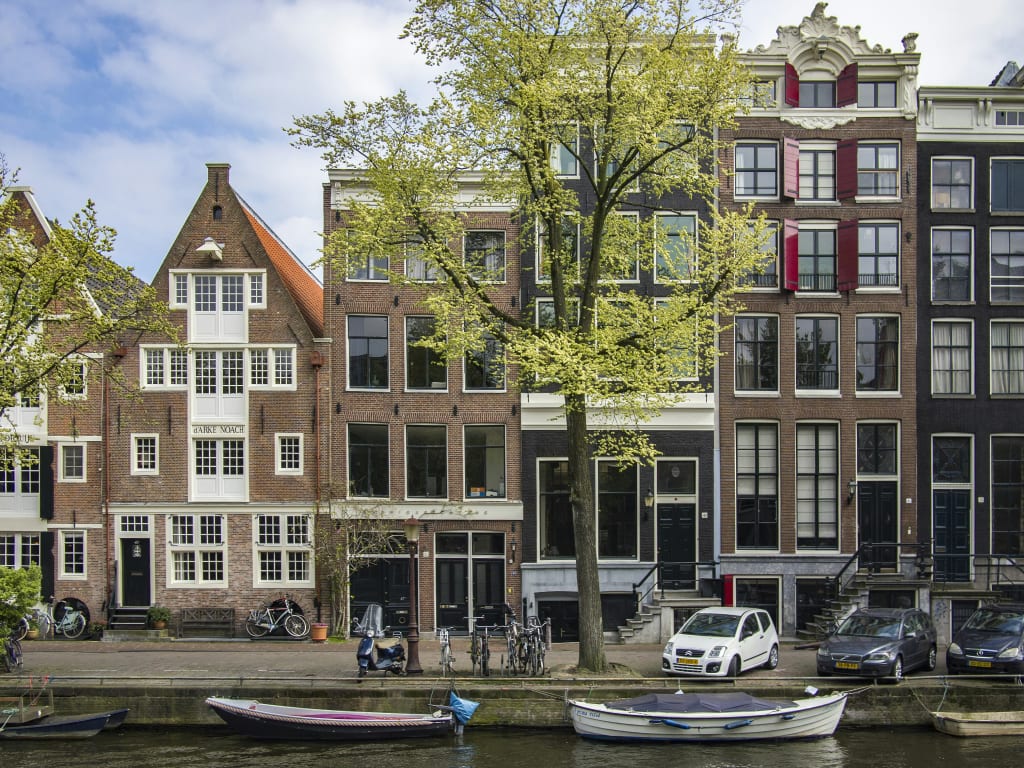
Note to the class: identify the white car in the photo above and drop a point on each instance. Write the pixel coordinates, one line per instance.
(722, 642)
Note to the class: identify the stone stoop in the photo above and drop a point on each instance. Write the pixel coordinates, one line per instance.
(656, 620)
(136, 636)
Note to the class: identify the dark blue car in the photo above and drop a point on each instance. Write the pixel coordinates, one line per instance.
(990, 642)
(879, 642)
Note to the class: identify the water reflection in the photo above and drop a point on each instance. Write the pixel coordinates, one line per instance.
(521, 748)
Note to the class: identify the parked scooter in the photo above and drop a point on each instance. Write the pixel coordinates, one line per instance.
(377, 653)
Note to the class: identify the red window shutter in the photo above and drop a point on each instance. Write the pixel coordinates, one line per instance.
(846, 169)
(791, 168)
(790, 255)
(848, 255)
(846, 86)
(792, 86)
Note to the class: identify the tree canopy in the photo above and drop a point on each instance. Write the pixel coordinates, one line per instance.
(62, 298)
(586, 118)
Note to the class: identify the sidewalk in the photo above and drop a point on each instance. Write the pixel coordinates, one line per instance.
(244, 658)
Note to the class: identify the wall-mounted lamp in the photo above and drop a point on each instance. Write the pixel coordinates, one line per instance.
(851, 491)
(648, 503)
(396, 409)
(455, 410)
(395, 300)
(513, 545)
(212, 248)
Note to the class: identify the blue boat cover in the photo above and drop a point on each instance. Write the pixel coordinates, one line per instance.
(463, 709)
(698, 702)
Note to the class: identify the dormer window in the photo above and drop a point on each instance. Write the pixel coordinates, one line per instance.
(808, 93)
(816, 94)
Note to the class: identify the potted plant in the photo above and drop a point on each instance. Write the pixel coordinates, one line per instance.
(158, 616)
(33, 630)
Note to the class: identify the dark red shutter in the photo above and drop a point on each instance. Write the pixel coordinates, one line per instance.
(791, 168)
(848, 255)
(792, 82)
(790, 255)
(846, 169)
(846, 86)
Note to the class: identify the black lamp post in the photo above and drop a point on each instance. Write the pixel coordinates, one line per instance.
(412, 537)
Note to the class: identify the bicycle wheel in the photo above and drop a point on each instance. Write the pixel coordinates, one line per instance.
(485, 658)
(77, 626)
(45, 625)
(20, 629)
(5, 659)
(474, 652)
(255, 629)
(447, 666)
(296, 625)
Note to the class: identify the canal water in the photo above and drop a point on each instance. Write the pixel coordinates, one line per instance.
(518, 748)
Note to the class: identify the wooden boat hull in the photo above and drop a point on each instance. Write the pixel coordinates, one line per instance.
(59, 727)
(800, 719)
(267, 721)
(979, 723)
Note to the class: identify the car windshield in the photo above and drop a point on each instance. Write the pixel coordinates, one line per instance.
(1003, 622)
(711, 624)
(870, 626)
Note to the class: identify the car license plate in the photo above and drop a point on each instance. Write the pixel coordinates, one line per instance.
(847, 665)
(982, 664)
(689, 662)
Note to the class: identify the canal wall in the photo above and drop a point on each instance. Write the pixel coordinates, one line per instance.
(506, 702)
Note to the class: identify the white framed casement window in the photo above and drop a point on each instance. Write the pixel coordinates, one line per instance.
(426, 461)
(283, 553)
(545, 312)
(1007, 174)
(72, 463)
(757, 170)
(72, 555)
(418, 268)
(146, 454)
(878, 169)
(817, 171)
(817, 354)
(675, 247)
(19, 550)
(367, 337)
(483, 369)
(878, 354)
(570, 250)
(1006, 358)
(366, 267)
(817, 486)
(878, 254)
(163, 368)
(288, 454)
(484, 461)
(257, 290)
(178, 298)
(219, 470)
(76, 385)
(756, 354)
(1006, 265)
(952, 183)
(483, 253)
(218, 308)
(425, 367)
(879, 94)
(757, 486)
(621, 251)
(555, 538)
(368, 461)
(952, 275)
(197, 551)
(952, 359)
(766, 275)
(565, 151)
(618, 510)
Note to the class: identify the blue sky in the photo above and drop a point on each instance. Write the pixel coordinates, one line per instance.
(124, 102)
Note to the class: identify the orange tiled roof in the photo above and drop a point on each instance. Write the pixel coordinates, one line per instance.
(302, 284)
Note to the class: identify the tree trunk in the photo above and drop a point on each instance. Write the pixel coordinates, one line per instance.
(584, 519)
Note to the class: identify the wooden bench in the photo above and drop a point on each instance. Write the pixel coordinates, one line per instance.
(206, 622)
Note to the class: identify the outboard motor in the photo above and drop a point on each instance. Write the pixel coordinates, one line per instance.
(375, 652)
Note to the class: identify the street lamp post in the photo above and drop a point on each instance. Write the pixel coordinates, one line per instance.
(412, 537)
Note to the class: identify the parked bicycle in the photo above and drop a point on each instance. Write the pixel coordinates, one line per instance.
(535, 643)
(11, 654)
(42, 620)
(447, 658)
(73, 619)
(480, 648)
(282, 614)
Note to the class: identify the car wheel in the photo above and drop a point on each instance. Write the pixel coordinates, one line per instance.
(932, 656)
(773, 658)
(734, 667)
(897, 670)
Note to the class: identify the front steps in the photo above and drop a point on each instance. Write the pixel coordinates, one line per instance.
(657, 621)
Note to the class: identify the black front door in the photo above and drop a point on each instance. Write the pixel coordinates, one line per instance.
(677, 545)
(489, 591)
(135, 572)
(877, 510)
(452, 593)
(951, 510)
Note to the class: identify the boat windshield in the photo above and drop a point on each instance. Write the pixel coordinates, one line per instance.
(711, 624)
(1002, 622)
(870, 626)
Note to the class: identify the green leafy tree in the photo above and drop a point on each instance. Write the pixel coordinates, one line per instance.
(631, 92)
(19, 592)
(60, 297)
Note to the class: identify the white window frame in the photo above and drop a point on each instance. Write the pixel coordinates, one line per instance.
(991, 360)
(196, 547)
(63, 449)
(816, 147)
(1007, 280)
(83, 373)
(486, 277)
(135, 468)
(169, 354)
(969, 322)
(285, 548)
(218, 486)
(180, 290)
(897, 171)
(542, 277)
(635, 277)
(279, 439)
(258, 290)
(693, 260)
(832, 392)
(931, 183)
(556, 152)
(66, 538)
(971, 267)
(501, 492)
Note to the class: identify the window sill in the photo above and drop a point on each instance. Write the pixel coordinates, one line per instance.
(809, 203)
(952, 396)
(748, 393)
(953, 210)
(884, 199)
(869, 395)
(832, 394)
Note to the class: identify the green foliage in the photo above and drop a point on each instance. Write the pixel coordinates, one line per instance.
(633, 94)
(19, 592)
(158, 613)
(62, 300)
